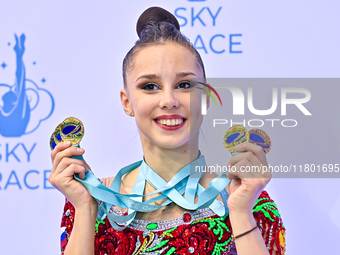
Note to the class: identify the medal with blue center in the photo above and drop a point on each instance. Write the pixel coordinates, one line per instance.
(56, 134)
(235, 136)
(72, 130)
(260, 138)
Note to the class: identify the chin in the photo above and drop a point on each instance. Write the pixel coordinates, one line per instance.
(172, 143)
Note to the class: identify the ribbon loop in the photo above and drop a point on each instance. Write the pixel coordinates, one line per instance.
(182, 189)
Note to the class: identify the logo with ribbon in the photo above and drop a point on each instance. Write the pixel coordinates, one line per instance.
(23, 105)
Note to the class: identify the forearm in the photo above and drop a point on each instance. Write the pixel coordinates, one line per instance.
(81, 240)
(251, 243)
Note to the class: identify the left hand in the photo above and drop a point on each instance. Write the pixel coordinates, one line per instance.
(246, 185)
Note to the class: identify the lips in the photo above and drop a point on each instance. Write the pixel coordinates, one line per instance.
(170, 122)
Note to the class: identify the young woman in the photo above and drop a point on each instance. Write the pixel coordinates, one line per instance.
(157, 92)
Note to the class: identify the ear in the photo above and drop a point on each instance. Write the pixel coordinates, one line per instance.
(126, 102)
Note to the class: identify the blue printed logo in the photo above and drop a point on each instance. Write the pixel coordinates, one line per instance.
(24, 105)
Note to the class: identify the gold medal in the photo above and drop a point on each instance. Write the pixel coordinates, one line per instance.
(260, 138)
(72, 130)
(235, 136)
(56, 134)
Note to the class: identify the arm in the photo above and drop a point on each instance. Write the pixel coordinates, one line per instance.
(87, 219)
(80, 230)
(251, 243)
(82, 206)
(244, 190)
(271, 227)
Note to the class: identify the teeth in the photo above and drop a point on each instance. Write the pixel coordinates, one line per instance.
(170, 122)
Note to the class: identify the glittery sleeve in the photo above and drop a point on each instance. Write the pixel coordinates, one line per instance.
(66, 223)
(269, 219)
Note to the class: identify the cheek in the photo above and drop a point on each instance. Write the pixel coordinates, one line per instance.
(195, 102)
(144, 106)
(196, 109)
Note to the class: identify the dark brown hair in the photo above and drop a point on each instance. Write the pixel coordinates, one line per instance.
(158, 26)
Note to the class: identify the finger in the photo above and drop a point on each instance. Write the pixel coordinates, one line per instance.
(68, 152)
(235, 171)
(249, 155)
(60, 147)
(243, 170)
(75, 169)
(255, 149)
(257, 167)
(87, 165)
(66, 162)
(61, 179)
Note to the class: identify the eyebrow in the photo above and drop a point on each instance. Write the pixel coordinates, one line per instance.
(154, 76)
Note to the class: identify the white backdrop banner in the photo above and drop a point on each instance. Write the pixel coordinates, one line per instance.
(64, 58)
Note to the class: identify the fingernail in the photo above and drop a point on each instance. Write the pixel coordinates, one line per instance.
(237, 147)
(67, 143)
(80, 150)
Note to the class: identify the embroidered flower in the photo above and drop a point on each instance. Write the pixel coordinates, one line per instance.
(203, 235)
(111, 242)
(193, 239)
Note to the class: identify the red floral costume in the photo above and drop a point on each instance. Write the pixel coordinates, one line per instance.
(201, 232)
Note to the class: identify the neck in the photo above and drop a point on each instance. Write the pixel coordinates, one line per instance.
(168, 162)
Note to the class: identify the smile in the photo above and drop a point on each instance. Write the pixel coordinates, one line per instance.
(170, 122)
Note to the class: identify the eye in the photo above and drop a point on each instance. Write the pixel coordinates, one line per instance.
(150, 86)
(184, 85)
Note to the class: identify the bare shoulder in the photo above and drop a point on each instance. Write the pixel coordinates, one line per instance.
(107, 181)
(127, 181)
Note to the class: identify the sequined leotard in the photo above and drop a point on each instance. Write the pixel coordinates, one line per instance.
(200, 232)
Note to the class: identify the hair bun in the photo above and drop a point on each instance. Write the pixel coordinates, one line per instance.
(155, 14)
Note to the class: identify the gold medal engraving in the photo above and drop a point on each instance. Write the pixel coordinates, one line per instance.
(72, 130)
(260, 138)
(235, 136)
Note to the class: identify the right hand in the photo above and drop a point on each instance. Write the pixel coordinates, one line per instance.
(61, 177)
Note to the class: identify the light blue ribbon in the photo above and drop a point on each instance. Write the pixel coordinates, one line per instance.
(184, 182)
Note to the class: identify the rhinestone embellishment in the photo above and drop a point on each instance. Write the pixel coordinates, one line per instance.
(186, 217)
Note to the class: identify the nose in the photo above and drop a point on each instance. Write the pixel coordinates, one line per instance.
(168, 99)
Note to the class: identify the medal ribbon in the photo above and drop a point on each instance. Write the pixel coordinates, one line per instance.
(182, 183)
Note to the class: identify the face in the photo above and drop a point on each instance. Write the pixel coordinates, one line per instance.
(158, 93)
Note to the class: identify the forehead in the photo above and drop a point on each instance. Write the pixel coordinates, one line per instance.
(164, 60)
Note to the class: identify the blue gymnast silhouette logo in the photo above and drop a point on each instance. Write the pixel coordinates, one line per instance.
(24, 105)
